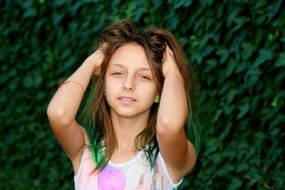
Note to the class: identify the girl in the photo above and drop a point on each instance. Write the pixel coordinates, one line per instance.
(133, 134)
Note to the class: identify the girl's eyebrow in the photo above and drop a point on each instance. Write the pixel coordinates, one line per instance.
(116, 64)
(120, 65)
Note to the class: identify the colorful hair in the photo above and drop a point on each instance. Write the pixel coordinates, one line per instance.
(96, 113)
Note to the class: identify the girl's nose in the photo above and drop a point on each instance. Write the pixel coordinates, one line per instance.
(128, 85)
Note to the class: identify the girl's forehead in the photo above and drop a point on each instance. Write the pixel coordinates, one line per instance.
(125, 67)
(130, 55)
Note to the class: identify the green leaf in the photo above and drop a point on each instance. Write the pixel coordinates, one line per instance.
(264, 55)
(57, 17)
(223, 53)
(230, 67)
(252, 76)
(217, 115)
(211, 64)
(273, 9)
(240, 21)
(281, 60)
(231, 94)
(228, 109)
(278, 121)
(247, 50)
(30, 12)
(243, 110)
(181, 3)
(236, 183)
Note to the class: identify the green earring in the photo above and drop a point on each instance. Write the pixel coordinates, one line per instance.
(156, 99)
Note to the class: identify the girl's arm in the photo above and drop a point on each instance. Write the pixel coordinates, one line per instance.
(177, 151)
(64, 105)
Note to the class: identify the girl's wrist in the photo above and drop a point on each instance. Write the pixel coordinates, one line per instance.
(171, 70)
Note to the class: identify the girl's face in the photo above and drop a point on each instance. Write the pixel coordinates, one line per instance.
(129, 82)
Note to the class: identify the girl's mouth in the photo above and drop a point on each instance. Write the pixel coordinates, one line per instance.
(127, 100)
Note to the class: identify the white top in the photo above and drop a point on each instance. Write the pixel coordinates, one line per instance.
(135, 174)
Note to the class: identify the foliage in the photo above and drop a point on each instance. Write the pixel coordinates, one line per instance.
(236, 48)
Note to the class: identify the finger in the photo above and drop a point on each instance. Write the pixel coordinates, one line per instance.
(103, 46)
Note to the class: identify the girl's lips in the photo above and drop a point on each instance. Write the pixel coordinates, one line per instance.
(127, 100)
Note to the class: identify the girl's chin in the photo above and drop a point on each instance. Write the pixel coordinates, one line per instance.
(127, 113)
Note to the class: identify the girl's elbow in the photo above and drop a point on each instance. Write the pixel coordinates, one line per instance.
(169, 125)
(58, 116)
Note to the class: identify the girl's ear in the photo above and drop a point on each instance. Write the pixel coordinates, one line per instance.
(156, 99)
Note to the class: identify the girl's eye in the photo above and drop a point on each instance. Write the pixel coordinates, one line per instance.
(117, 73)
(145, 77)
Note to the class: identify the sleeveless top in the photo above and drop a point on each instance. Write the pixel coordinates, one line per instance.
(135, 174)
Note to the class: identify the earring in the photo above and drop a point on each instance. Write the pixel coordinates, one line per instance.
(156, 99)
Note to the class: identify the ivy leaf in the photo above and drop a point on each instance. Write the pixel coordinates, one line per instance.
(230, 68)
(211, 64)
(264, 55)
(223, 53)
(235, 183)
(281, 60)
(181, 3)
(243, 110)
(252, 75)
(273, 9)
(247, 50)
(231, 94)
(30, 12)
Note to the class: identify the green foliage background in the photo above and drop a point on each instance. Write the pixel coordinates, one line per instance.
(236, 48)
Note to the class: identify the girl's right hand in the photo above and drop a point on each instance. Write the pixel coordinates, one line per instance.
(96, 59)
(169, 63)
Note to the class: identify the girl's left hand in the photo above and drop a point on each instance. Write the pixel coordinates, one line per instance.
(169, 62)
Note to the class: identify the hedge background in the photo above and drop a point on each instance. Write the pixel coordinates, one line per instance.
(236, 48)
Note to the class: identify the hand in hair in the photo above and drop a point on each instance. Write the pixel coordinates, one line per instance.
(169, 62)
(97, 58)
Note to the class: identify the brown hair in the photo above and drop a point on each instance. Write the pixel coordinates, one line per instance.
(154, 42)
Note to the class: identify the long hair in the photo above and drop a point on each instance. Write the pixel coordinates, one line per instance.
(96, 113)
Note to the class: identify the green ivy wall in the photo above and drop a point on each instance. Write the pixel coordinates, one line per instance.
(236, 48)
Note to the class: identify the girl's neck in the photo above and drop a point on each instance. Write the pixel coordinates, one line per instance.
(126, 130)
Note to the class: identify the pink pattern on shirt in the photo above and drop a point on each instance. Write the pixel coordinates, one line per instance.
(111, 178)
